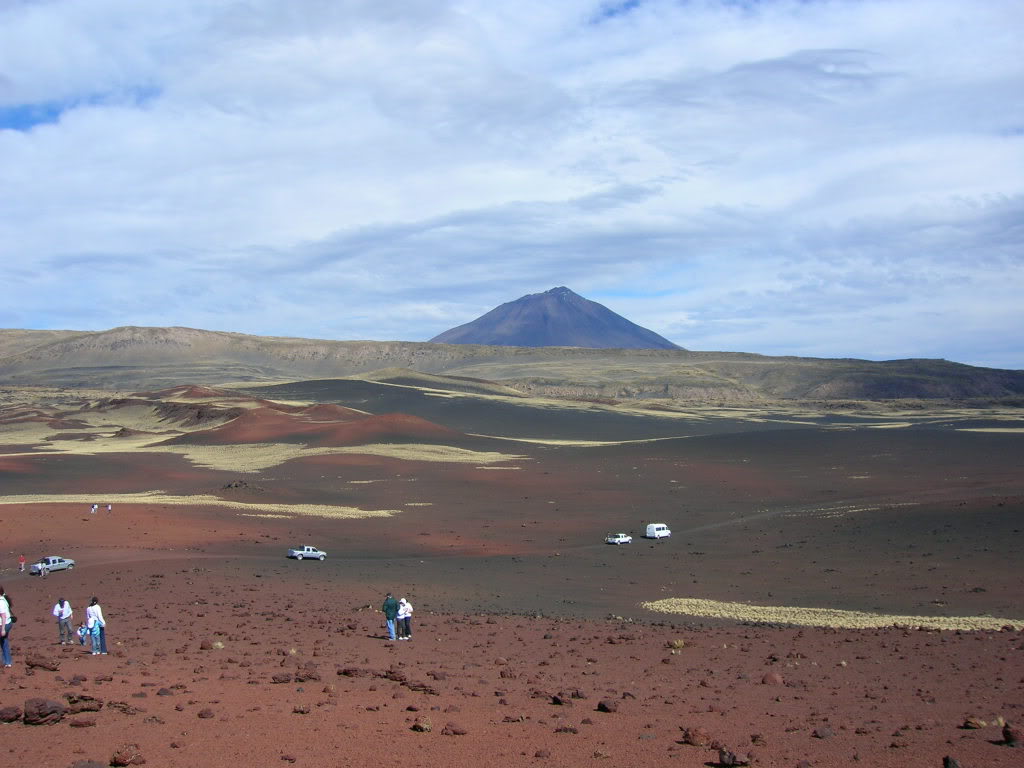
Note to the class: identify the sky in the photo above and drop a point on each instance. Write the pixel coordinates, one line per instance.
(826, 178)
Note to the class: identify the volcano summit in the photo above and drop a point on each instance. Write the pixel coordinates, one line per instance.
(555, 318)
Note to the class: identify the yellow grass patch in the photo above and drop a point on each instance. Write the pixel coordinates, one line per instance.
(200, 500)
(822, 617)
(253, 457)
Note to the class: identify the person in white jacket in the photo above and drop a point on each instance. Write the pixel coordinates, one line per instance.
(62, 611)
(95, 623)
(404, 619)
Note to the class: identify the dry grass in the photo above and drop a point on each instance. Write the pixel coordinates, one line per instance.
(822, 617)
(202, 500)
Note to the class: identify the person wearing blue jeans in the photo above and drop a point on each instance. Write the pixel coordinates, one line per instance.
(95, 624)
(5, 627)
(390, 609)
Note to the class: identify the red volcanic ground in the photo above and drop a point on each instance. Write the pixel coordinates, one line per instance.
(530, 645)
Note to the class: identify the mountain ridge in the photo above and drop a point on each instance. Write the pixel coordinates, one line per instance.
(137, 357)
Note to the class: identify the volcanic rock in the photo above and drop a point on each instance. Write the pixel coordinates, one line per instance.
(1013, 735)
(38, 661)
(696, 737)
(729, 758)
(43, 712)
(10, 714)
(607, 705)
(82, 703)
(127, 754)
(453, 729)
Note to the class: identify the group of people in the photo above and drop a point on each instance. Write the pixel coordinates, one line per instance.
(93, 628)
(397, 617)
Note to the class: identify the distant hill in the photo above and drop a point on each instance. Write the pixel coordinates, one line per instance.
(134, 358)
(555, 318)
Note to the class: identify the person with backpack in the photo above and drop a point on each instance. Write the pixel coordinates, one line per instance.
(62, 611)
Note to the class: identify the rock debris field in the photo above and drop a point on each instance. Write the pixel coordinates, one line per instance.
(534, 643)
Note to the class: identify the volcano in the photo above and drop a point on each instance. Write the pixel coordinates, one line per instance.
(555, 318)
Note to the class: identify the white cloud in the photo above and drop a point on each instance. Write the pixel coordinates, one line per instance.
(827, 178)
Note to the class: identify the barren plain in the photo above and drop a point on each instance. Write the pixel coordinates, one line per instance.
(842, 585)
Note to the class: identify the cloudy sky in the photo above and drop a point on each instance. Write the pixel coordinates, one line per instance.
(834, 178)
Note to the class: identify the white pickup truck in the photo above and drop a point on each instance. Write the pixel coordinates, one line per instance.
(306, 552)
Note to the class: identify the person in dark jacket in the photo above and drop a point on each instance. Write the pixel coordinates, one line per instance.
(390, 609)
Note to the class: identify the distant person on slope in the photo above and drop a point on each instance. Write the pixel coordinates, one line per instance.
(390, 609)
(21, 563)
(62, 610)
(404, 619)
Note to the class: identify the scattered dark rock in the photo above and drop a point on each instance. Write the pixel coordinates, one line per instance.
(10, 714)
(205, 714)
(87, 764)
(452, 729)
(127, 754)
(1013, 735)
(38, 661)
(82, 722)
(43, 712)
(422, 725)
(729, 758)
(772, 678)
(81, 702)
(950, 762)
(607, 705)
(824, 732)
(696, 737)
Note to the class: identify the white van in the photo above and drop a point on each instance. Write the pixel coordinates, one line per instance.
(657, 531)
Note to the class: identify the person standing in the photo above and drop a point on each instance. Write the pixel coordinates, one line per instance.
(94, 508)
(62, 610)
(96, 625)
(6, 622)
(21, 563)
(404, 619)
(390, 609)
